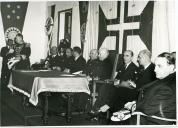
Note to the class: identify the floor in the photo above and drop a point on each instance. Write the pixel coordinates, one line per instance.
(13, 113)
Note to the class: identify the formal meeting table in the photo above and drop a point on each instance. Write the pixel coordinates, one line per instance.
(33, 82)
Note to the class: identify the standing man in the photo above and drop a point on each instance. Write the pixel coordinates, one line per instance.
(6, 53)
(22, 52)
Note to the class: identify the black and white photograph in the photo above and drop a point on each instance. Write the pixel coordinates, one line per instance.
(88, 63)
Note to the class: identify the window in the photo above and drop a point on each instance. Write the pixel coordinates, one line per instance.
(64, 25)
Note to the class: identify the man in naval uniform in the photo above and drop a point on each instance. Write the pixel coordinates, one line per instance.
(22, 52)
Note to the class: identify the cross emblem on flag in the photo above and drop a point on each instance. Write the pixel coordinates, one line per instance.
(124, 25)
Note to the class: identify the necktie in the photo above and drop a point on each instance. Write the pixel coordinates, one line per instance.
(125, 66)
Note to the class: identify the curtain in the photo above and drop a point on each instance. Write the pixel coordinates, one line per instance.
(92, 26)
(163, 28)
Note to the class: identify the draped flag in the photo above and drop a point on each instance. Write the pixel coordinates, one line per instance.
(27, 18)
(127, 26)
(13, 16)
(83, 9)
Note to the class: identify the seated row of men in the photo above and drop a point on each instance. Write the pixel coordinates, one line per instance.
(73, 61)
(152, 85)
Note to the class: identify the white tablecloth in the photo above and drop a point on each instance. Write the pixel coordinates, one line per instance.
(58, 84)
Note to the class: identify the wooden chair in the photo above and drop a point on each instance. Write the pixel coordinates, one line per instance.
(114, 57)
(139, 114)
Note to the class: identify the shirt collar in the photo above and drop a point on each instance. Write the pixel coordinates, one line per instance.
(145, 67)
(76, 58)
(54, 56)
(127, 65)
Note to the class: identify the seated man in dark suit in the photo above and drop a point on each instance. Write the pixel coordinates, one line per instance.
(78, 65)
(146, 73)
(158, 98)
(68, 60)
(91, 68)
(79, 61)
(105, 65)
(54, 61)
(146, 70)
(111, 96)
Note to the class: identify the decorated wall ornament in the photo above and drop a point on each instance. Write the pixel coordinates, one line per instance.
(49, 25)
(82, 32)
(11, 33)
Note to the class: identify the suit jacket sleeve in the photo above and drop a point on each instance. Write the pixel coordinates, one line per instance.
(4, 52)
(161, 104)
(83, 63)
(26, 51)
(78, 65)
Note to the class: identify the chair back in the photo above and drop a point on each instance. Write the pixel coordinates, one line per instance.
(139, 114)
(116, 60)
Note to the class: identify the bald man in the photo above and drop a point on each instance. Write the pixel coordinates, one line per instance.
(54, 60)
(114, 97)
(91, 68)
(105, 65)
(147, 73)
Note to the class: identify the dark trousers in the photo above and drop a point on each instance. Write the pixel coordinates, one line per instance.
(23, 64)
(5, 75)
(114, 97)
(80, 101)
(106, 95)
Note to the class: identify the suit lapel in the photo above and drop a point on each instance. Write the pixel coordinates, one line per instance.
(128, 67)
